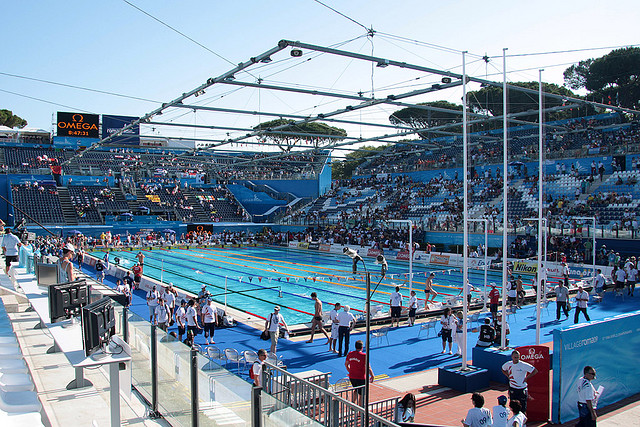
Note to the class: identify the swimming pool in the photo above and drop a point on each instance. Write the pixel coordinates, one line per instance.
(257, 278)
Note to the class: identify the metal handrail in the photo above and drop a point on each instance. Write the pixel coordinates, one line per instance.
(315, 401)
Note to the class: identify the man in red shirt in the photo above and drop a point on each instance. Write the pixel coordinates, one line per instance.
(494, 300)
(137, 275)
(355, 364)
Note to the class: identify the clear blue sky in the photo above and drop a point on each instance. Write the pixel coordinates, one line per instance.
(110, 46)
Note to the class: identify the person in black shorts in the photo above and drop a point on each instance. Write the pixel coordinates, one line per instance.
(316, 322)
(447, 322)
(396, 306)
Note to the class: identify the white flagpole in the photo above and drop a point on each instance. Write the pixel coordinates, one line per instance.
(539, 269)
(505, 181)
(410, 256)
(465, 243)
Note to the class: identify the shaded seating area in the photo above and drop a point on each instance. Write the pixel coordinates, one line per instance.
(31, 197)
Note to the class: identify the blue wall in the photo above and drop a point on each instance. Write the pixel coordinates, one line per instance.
(256, 203)
(611, 346)
(300, 187)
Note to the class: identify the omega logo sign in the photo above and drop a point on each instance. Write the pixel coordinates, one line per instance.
(76, 124)
(532, 355)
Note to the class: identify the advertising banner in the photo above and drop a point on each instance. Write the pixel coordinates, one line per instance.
(199, 228)
(440, 259)
(538, 385)
(525, 267)
(372, 252)
(403, 255)
(324, 247)
(611, 347)
(78, 125)
(303, 245)
(314, 246)
(113, 124)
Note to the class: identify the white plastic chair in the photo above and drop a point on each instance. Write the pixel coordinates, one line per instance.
(342, 384)
(214, 353)
(431, 324)
(381, 333)
(274, 359)
(232, 355)
(474, 318)
(250, 357)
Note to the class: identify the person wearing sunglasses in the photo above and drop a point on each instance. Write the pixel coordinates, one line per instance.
(587, 398)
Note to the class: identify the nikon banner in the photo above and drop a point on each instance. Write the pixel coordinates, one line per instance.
(113, 124)
(78, 125)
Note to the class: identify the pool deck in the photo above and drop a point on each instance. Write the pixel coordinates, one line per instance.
(408, 362)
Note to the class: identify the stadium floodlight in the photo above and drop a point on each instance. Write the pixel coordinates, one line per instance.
(355, 257)
(384, 266)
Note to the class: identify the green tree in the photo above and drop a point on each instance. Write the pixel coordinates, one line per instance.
(7, 118)
(343, 169)
(288, 135)
(423, 118)
(610, 79)
(488, 100)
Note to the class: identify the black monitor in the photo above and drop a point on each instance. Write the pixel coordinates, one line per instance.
(66, 299)
(98, 325)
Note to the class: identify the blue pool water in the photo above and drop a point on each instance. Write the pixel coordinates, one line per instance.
(257, 278)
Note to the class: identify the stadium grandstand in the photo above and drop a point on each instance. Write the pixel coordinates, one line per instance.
(191, 206)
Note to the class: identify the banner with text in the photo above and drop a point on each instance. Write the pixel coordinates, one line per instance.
(538, 385)
(113, 124)
(78, 125)
(611, 347)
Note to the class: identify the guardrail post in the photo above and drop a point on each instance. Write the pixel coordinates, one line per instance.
(125, 324)
(154, 373)
(256, 406)
(194, 387)
(335, 412)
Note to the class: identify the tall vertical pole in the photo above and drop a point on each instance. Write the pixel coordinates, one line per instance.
(486, 267)
(195, 399)
(505, 181)
(154, 372)
(465, 210)
(225, 294)
(593, 249)
(540, 143)
(366, 354)
(410, 256)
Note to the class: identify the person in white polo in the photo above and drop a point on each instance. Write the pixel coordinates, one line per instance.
(10, 245)
(518, 373)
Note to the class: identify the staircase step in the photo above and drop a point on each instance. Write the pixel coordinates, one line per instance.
(68, 210)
